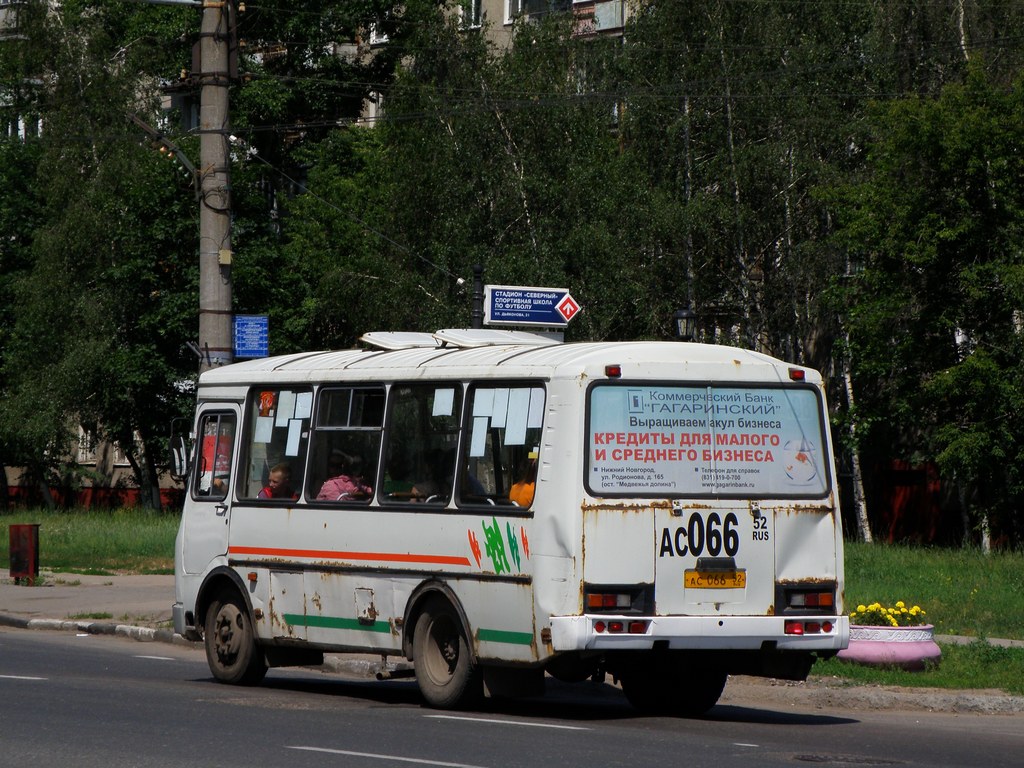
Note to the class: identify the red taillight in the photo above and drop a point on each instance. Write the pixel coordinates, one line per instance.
(796, 374)
(613, 371)
(620, 627)
(807, 627)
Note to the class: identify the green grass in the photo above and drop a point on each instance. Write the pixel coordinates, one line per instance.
(963, 591)
(978, 665)
(119, 541)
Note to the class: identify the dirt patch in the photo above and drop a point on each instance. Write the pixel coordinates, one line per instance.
(834, 693)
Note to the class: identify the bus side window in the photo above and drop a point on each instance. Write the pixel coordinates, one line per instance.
(421, 442)
(277, 433)
(345, 445)
(213, 468)
(502, 447)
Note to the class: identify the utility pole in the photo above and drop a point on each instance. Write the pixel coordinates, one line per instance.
(216, 324)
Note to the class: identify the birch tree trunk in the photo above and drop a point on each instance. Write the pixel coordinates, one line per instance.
(863, 523)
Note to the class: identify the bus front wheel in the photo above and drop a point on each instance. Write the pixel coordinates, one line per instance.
(230, 641)
(446, 674)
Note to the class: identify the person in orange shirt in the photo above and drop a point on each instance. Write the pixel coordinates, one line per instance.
(521, 491)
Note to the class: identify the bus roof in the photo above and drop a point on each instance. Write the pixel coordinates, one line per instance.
(489, 353)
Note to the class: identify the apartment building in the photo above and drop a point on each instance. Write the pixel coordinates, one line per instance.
(593, 17)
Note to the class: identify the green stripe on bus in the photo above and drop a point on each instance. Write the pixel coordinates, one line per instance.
(501, 636)
(335, 622)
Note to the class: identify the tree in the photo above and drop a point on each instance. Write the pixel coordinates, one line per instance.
(935, 320)
(99, 317)
(20, 213)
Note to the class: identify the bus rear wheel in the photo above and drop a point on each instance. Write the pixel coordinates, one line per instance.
(676, 692)
(446, 674)
(230, 641)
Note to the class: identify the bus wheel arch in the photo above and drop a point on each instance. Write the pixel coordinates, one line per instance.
(219, 580)
(447, 671)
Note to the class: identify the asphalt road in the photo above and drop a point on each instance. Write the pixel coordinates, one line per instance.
(88, 700)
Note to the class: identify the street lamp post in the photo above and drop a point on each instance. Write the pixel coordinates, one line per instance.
(686, 323)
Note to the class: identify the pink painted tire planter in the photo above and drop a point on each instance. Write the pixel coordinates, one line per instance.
(909, 648)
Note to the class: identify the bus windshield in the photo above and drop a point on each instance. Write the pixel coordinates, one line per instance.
(665, 440)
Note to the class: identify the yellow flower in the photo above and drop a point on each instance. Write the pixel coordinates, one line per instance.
(897, 615)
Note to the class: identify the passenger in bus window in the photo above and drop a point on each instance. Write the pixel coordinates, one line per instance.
(345, 478)
(437, 486)
(279, 483)
(522, 490)
(397, 482)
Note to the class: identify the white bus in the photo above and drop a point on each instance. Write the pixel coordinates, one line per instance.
(495, 506)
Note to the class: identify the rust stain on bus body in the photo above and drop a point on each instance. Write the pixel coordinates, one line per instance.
(624, 506)
(812, 581)
(277, 620)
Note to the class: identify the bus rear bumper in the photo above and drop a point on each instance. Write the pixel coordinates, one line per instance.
(580, 633)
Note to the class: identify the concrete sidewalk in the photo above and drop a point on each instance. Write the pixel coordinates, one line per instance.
(136, 606)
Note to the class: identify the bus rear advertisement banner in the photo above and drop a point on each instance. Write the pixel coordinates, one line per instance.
(672, 440)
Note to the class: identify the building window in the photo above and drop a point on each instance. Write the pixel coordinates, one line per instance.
(470, 13)
(517, 8)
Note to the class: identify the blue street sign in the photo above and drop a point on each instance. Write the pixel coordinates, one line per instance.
(523, 305)
(252, 336)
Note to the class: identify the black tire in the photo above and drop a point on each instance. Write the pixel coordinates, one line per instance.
(674, 693)
(446, 673)
(230, 640)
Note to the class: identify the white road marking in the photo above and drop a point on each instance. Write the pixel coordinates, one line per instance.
(156, 658)
(384, 757)
(510, 722)
(21, 677)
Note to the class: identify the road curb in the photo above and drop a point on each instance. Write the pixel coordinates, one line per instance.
(142, 634)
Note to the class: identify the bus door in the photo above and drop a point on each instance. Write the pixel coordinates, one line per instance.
(208, 507)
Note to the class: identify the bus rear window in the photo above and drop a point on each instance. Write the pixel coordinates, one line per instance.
(663, 440)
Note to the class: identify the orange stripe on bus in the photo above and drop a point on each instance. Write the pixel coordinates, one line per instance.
(389, 557)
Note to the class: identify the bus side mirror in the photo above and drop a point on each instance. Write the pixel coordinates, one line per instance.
(179, 454)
